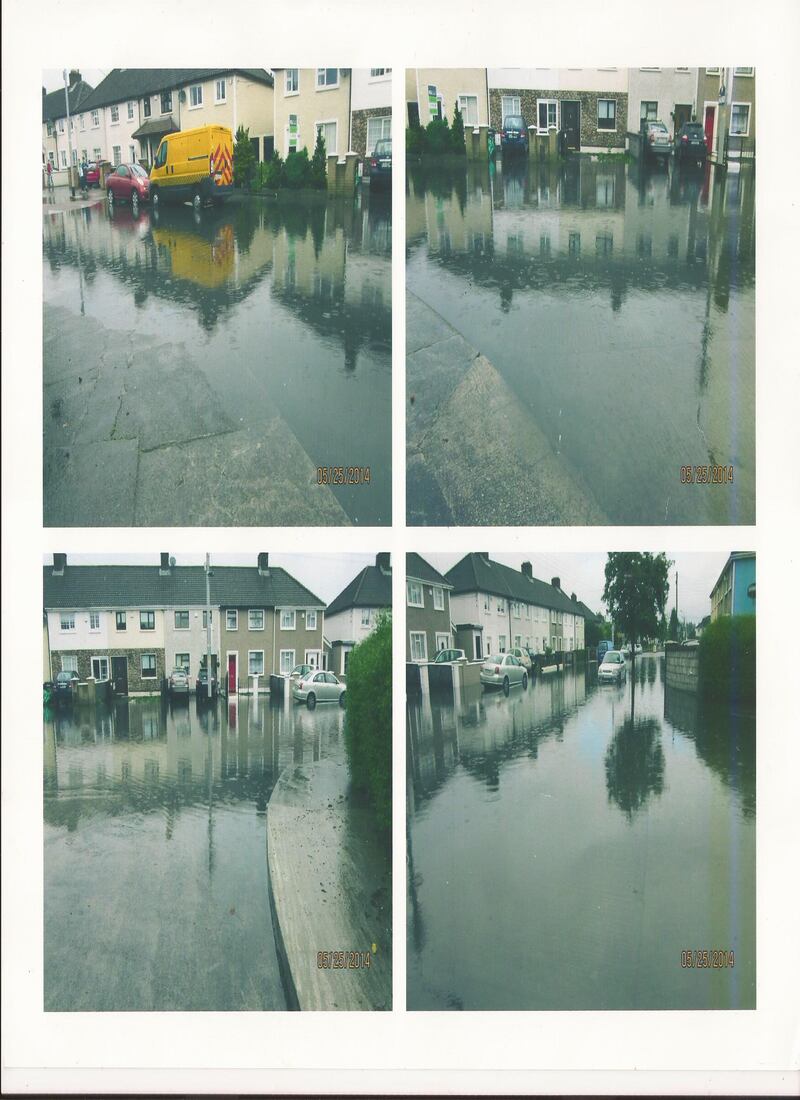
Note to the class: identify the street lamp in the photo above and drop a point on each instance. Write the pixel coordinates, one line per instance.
(69, 135)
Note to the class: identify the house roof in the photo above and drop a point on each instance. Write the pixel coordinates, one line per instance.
(478, 573)
(372, 587)
(143, 585)
(54, 104)
(735, 555)
(420, 570)
(122, 84)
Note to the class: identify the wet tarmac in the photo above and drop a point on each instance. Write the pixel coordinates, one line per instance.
(201, 368)
(617, 303)
(568, 843)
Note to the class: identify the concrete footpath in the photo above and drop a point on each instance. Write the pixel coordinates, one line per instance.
(476, 456)
(331, 890)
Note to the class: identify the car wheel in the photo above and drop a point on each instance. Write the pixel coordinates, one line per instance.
(524, 681)
(155, 198)
(505, 684)
(342, 698)
(197, 199)
(135, 201)
(110, 197)
(311, 700)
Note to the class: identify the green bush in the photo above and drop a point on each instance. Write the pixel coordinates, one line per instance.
(438, 139)
(244, 159)
(319, 175)
(457, 141)
(297, 170)
(271, 172)
(368, 720)
(728, 659)
(415, 141)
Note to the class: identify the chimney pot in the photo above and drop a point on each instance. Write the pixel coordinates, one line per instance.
(527, 569)
(74, 76)
(263, 564)
(384, 562)
(59, 564)
(556, 582)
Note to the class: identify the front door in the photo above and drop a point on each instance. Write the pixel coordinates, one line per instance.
(708, 126)
(478, 648)
(232, 674)
(119, 675)
(571, 122)
(312, 658)
(683, 113)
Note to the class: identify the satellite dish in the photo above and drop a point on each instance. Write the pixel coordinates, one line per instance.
(172, 563)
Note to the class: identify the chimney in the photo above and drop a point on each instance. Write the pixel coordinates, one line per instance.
(556, 582)
(574, 598)
(163, 569)
(483, 554)
(527, 569)
(59, 564)
(384, 562)
(263, 564)
(74, 76)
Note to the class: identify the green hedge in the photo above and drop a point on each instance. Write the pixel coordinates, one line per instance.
(368, 721)
(728, 659)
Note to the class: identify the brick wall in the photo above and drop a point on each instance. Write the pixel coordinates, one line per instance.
(682, 663)
(135, 682)
(590, 135)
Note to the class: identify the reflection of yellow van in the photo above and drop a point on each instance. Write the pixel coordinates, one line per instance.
(207, 263)
(193, 164)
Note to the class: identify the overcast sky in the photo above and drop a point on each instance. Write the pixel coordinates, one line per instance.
(53, 78)
(584, 575)
(324, 574)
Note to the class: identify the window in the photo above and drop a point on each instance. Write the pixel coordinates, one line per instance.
(232, 619)
(166, 101)
(61, 125)
(648, 110)
(287, 620)
(182, 660)
(438, 598)
(291, 81)
(255, 619)
(69, 662)
(147, 620)
(95, 119)
(100, 668)
(74, 156)
(287, 661)
(52, 158)
(606, 114)
(488, 645)
(414, 594)
(442, 642)
(742, 72)
(220, 91)
(379, 72)
(327, 78)
(468, 106)
(378, 128)
(255, 662)
(501, 607)
(311, 620)
(115, 113)
(510, 105)
(419, 647)
(117, 155)
(49, 128)
(181, 620)
(501, 643)
(366, 616)
(546, 115)
(67, 621)
(63, 159)
(82, 121)
(130, 110)
(148, 666)
(94, 620)
(132, 152)
(97, 152)
(292, 134)
(328, 131)
(147, 110)
(740, 119)
(195, 97)
(122, 623)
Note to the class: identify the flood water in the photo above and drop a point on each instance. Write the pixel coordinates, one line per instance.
(215, 360)
(618, 304)
(562, 854)
(155, 858)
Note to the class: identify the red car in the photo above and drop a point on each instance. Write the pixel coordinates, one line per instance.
(91, 173)
(130, 183)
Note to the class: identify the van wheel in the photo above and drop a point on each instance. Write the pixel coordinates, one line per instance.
(155, 198)
(197, 200)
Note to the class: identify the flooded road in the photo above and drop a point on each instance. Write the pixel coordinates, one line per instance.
(617, 303)
(199, 368)
(563, 856)
(155, 856)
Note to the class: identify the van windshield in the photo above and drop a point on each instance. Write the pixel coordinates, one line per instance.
(161, 156)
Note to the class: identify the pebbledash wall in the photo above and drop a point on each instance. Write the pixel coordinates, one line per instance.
(358, 133)
(591, 137)
(683, 667)
(137, 684)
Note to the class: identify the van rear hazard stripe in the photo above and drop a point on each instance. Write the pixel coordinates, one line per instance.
(221, 162)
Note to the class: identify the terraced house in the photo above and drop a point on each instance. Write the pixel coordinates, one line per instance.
(55, 135)
(428, 625)
(353, 614)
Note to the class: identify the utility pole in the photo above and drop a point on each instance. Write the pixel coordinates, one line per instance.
(69, 135)
(208, 625)
(677, 616)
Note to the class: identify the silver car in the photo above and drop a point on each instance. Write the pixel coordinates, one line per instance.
(450, 657)
(319, 687)
(613, 668)
(502, 670)
(657, 141)
(523, 657)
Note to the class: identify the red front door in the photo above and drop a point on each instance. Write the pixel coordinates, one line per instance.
(709, 126)
(232, 674)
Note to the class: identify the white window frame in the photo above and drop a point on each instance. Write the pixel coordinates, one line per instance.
(283, 670)
(131, 110)
(501, 606)
(98, 152)
(82, 121)
(95, 120)
(329, 122)
(61, 126)
(461, 97)
(740, 103)
(255, 611)
(132, 151)
(325, 87)
(416, 634)
(217, 97)
(501, 643)
(442, 637)
(68, 618)
(413, 585)
(114, 109)
(192, 89)
(175, 615)
(606, 129)
(379, 74)
(382, 119)
(102, 661)
(147, 676)
(713, 72)
(73, 662)
(295, 90)
(286, 612)
(745, 71)
(514, 99)
(205, 619)
(255, 653)
(438, 598)
(311, 620)
(168, 109)
(63, 158)
(117, 158)
(94, 622)
(643, 117)
(231, 613)
(548, 103)
(182, 664)
(366, 617)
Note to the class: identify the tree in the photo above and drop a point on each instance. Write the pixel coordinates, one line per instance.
(674, 626)
(636, 592)
(244, 159)
(457, 133)
(319, 174)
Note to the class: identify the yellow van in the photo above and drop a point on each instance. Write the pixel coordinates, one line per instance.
(195, 165)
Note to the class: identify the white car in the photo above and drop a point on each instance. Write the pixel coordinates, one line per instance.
(613, 668)
(318, 687)
(502, 670)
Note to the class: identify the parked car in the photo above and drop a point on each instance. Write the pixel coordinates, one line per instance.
(64, 686)
(523, 657)
(178, 682)
(613, 667)
(450, 657)
(503, 670)
(299, 671)
(514, 135)
(690, 143)
(91, 173)
(380, 165)
(657, 142)
(319, 687)
(128, 182)
(201, 686)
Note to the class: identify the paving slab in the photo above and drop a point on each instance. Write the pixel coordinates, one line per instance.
(88, 484)
(163, 405)
(330, 878)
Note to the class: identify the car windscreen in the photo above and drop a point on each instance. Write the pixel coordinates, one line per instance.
(64, 677)
(612, 658)
(137, 170)
(658, 127)
(383, 148)
(694, 128)
(514, 122)
(495, 659)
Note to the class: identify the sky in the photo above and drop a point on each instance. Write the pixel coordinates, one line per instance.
(53, 78)
(584, 575)
(324, 574)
